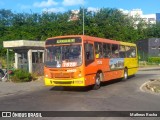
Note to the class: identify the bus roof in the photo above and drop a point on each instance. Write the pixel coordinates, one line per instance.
(90, 38)
(127, 44)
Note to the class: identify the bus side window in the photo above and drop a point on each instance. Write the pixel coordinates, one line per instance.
(88, 51)
(115, 51)
(98, 50)
(107, 50)
(130, 52)
(122, 51)
(133, 52)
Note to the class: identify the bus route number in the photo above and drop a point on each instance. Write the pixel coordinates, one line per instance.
(99, 62)
(69, 64)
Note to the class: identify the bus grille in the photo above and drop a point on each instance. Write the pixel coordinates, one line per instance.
(61, 75)
(60, 82)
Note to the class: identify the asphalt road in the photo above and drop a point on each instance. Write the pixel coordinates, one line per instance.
(112, 96)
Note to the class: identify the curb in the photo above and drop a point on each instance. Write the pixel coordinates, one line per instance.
(145, 87)
(148, 68)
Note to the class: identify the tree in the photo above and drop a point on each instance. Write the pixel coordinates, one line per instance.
(153, 30)
(106, 23)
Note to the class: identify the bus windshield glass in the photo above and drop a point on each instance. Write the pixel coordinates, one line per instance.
(63, 55)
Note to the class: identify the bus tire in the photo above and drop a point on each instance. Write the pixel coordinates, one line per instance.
(125, 76)
(97, 84)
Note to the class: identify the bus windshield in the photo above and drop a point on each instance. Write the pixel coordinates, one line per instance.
(63, 56)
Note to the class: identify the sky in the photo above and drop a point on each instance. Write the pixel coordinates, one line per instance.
(39, 6)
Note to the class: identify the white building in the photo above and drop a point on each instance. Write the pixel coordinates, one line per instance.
(148, 18)
(135, 12)
(74, 15)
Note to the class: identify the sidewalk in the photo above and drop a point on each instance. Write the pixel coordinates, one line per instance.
(153, 85)
(11, 88)
(147, 68)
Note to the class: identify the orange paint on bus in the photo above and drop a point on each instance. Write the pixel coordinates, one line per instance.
(86, 74)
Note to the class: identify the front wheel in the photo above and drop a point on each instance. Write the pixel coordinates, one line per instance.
(97, 84)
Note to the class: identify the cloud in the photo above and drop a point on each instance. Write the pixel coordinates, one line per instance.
(47, 3)
(92, 9)
(54, 10)
(124, 11)
(72, 2)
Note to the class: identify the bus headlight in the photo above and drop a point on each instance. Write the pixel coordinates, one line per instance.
(46, 75)
(79, 74)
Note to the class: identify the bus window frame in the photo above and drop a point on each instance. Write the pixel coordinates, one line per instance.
(88, 61)
(98, 55)
(115, 51)
(124, 46)
(127, 56)
(109, 54)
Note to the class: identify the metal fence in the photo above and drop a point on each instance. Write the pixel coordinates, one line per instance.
(37, 68)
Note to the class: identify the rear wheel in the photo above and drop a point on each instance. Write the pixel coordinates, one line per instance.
(97, 84)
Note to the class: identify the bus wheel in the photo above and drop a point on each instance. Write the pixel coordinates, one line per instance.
(125, 77)
(97, 82)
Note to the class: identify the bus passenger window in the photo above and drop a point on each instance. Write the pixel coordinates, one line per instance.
(122, 51)
(107, 50)
(115, 51)
(130, 52)
(98, 50)
(133, 52)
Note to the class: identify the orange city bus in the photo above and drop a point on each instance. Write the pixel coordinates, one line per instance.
(79, 60)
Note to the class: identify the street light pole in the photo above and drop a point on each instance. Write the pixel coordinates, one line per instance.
(83, 19)
(7, 64)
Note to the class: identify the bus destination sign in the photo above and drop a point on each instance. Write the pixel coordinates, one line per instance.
(63, 41)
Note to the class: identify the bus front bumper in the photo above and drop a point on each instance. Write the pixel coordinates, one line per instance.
(63, 82)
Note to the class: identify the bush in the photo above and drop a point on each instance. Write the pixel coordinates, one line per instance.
(21, 76)
(154, 60)
(34, 76)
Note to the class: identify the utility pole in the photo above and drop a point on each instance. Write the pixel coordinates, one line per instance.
(7, 64)
(83, 19)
